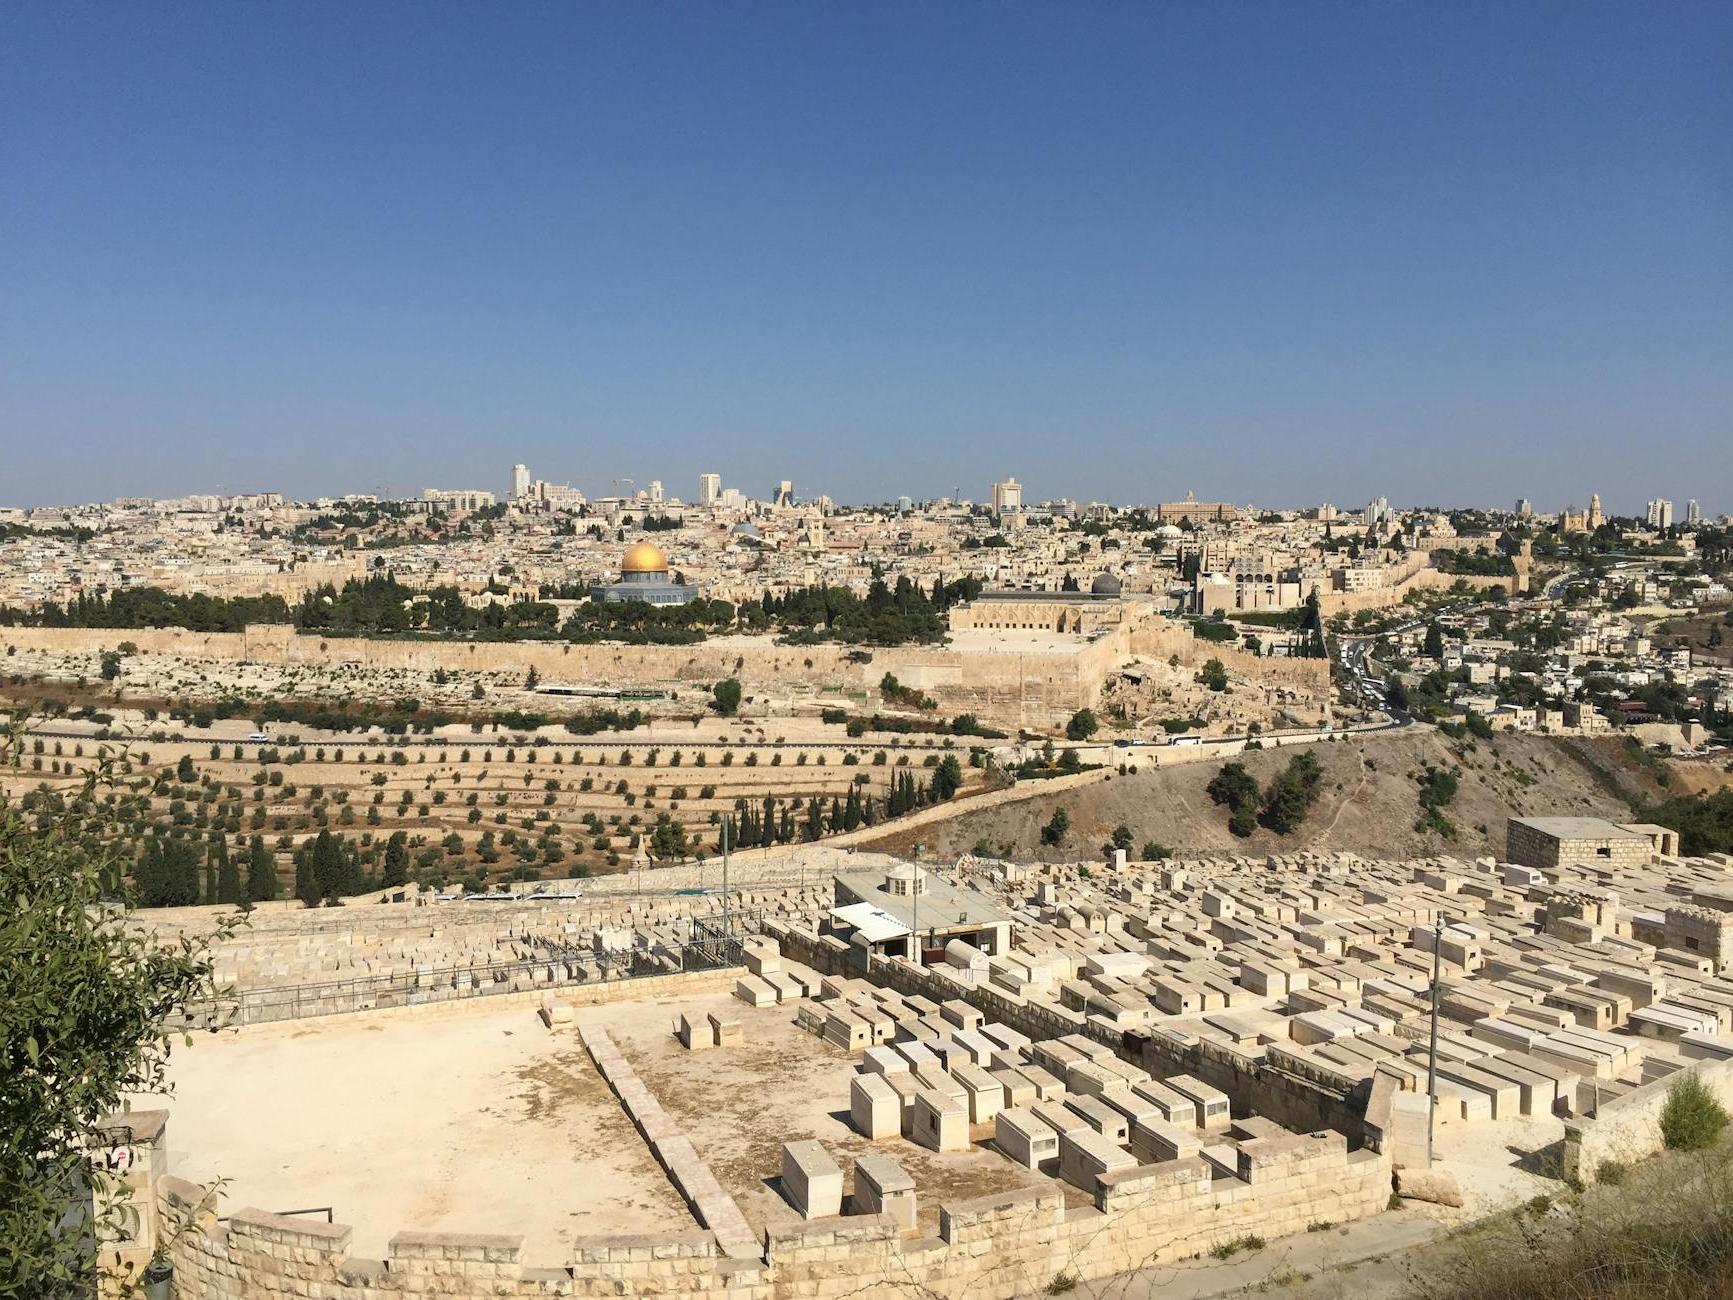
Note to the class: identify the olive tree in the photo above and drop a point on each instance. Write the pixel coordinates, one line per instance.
(92, 1005)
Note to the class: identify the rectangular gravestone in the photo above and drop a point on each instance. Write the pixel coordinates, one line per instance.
(811, 1180)
(874, 1107)
(882, 1186)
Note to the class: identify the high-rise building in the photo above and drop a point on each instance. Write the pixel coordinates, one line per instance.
(1693, 513)
(1524, 507)
(520, 482)
(709, 489)
(1660, 513)
(463, 500)
(1007, 496)
(656, 491)
(1377, 510)
(784, 493)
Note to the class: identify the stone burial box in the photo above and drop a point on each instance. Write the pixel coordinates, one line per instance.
(811, 1180)
(882, 1186)
(694, 1034)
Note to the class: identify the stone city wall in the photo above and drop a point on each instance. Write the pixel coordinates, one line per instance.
(1034, 687)
(1023, 688)
(1350, 602)
(1166, 638)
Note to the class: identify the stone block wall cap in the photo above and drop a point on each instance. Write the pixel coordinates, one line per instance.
(414, 1241)
(835, 1229)
(133, 1125)
(1020, 1197)
(250, 1218)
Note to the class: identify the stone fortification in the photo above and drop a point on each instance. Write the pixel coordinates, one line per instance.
(1038, 684)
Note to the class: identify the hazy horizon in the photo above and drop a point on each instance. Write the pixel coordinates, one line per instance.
(1278, 254)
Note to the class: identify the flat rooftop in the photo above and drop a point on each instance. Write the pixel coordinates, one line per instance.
(1577, 828)
(943, 905)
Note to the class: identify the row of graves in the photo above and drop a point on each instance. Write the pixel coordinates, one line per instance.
(1557, 989)
(942, 1076)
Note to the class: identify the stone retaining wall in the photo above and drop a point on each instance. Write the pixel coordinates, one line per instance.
(1628, 1127)
(992, 1248)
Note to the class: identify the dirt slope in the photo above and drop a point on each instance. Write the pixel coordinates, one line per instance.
(1369, 803)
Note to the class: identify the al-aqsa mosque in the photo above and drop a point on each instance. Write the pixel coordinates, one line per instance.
(644, 576)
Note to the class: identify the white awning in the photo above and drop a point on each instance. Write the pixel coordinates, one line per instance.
(873, 922)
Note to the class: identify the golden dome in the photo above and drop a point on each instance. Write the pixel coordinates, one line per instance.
(642, 557)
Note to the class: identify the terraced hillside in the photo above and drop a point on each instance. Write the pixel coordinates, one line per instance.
(1368, 800)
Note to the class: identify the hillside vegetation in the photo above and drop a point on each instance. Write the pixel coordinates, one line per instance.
(1367, 799)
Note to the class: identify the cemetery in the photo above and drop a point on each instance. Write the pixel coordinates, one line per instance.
(1150, 1062)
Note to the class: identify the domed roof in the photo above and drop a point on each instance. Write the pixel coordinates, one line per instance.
(642, 557)
(1106, 584)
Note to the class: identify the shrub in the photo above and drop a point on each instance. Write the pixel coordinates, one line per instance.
(1692, 1119)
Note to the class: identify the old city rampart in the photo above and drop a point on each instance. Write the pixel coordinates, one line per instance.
(1039, 686)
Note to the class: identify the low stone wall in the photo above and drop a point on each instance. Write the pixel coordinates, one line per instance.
(1254, 1086)
(715, 1208)
(1022, 790)
(1628, 1127)
(992, 1248)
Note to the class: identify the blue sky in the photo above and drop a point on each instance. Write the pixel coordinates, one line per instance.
(1273, 252)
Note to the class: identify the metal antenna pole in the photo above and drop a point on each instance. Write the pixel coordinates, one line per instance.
(1432, 1055)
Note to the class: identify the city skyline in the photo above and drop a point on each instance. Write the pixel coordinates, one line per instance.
(1326, 253)
(520, 482)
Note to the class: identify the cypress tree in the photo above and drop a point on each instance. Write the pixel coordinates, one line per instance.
(228, 876)
(261, 872)
(306, 889)
(327, 867)
(147, 874)
(397, 859)
(354, 878)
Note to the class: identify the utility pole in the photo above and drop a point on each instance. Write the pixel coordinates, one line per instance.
(1432, 1054)
(915, 892)
(727, 828)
